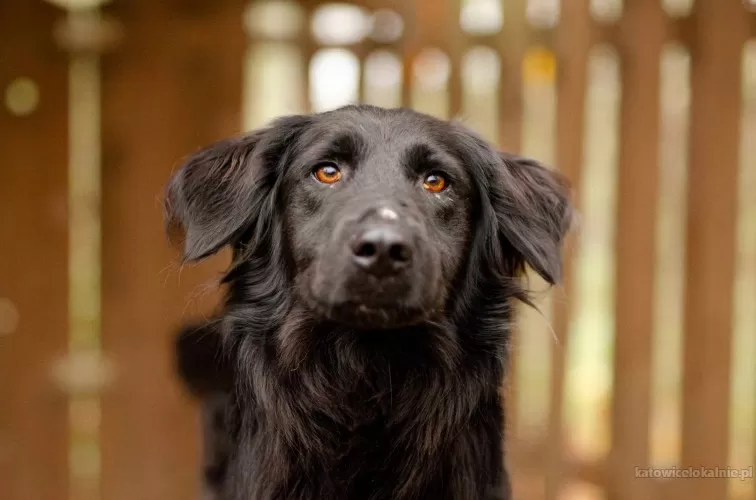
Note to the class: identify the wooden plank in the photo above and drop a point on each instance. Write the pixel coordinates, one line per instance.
(455, 47)
(512, 43)
(431, 21)
(642, 31)
(309, 47)
(712, 206)
(573, 44)
(172, 86)
(33, 257)
(410, 48)
(681, 30)
(361, 51)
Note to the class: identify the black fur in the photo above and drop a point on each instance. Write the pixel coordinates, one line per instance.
(201, 361)
(349, 385)
(207, 372)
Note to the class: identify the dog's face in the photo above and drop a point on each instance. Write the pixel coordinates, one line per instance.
(375, 213)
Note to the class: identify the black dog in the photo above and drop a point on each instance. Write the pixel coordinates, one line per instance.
(377, 254)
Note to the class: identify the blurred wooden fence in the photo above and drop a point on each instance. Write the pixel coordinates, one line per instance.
(89, 407)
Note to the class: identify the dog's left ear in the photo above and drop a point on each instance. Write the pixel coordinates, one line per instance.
(534, 213)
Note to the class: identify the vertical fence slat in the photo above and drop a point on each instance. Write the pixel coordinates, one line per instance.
(455, 48)
(172, 86)
(33, 256)
(309, 47)
(573, 45)
(431, 21)
(642, 35)
(362, 51)
(512, 44)
(712, 205)
(408, 10)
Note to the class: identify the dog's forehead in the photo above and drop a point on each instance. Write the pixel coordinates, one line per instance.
(379, 134)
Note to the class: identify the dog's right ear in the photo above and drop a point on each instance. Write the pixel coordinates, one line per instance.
(221, 190)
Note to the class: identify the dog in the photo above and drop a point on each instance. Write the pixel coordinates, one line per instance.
(377, 258)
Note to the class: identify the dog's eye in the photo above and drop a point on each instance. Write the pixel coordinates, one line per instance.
(435, 183)
(327, 173)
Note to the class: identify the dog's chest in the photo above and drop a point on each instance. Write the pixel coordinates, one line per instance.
(370, 463)
(364, 440)
(386, 433)
(367, 455)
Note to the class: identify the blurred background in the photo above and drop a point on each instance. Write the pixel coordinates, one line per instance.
(643, 358)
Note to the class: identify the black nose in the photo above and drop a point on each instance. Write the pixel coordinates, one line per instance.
(381, 250)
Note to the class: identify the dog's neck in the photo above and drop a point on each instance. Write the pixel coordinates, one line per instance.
(329, 402)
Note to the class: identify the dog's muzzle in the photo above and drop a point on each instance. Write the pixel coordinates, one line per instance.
(376, 269)
(383, 246)
(381, 257)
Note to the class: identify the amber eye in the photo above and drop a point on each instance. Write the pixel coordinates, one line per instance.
(327, 173)
(435, 183)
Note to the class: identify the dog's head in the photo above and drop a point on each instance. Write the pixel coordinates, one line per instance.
(375, 214)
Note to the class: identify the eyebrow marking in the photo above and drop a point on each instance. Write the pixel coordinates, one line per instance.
(418, 154)
(419, 158)
(346, 147)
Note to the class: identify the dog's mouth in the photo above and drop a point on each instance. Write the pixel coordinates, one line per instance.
(371, 316)
(368, 315)
(351, 296)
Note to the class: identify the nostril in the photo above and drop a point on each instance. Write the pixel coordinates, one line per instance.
(399, 252)
(381, 250)
(365, 249)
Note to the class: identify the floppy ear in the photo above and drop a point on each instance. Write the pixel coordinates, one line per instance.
(220, 191)
(534, 213)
